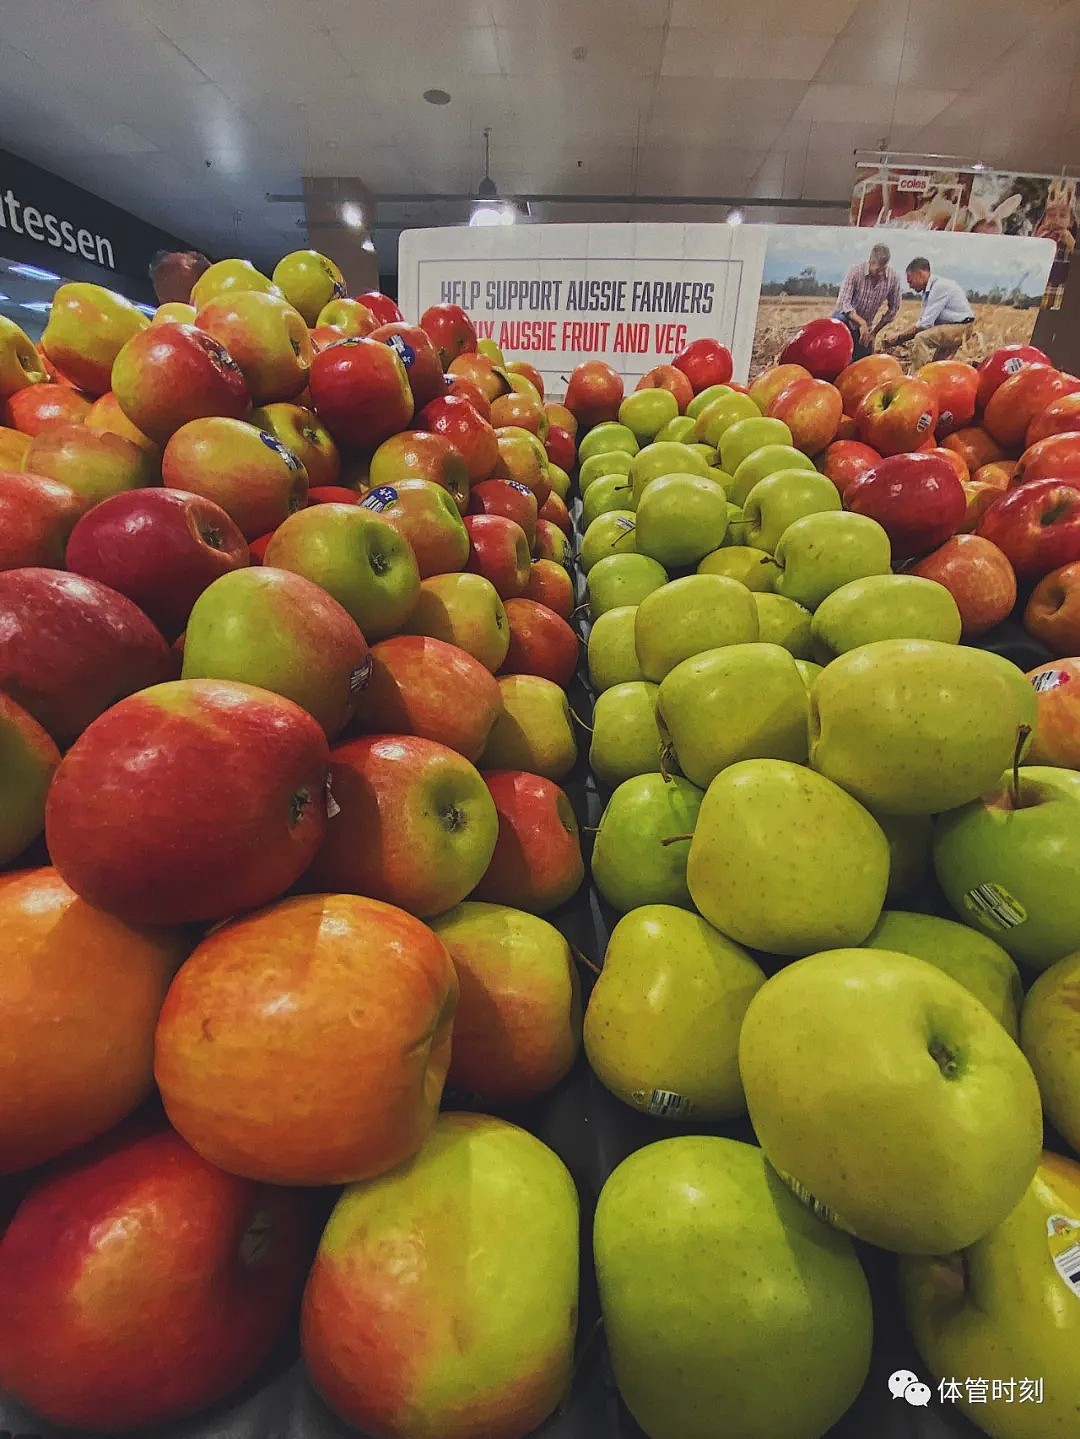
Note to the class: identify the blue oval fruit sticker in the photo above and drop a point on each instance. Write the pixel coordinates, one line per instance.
(405, 353)
(379, 498)
(273, 443)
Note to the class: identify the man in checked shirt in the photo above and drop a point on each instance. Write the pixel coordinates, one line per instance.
(866, 288)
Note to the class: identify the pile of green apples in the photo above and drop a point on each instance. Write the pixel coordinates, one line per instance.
(798, 758)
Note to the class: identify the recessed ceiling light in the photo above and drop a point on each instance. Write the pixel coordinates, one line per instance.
(437, 97)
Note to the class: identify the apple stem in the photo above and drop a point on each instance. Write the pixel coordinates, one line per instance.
(584, 959)
(771, 560)
(1022, 735)
(675, 839)
(580, 721)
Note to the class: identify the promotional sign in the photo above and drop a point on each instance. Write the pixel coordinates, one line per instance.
(633, 295)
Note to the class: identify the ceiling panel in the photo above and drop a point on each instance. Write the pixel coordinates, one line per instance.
(772, 57)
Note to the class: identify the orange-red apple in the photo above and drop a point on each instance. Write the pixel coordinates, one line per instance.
(423, 686)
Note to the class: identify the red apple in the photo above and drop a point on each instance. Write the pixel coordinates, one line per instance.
(594, 393)
(257, 548)
(979, 495)
(421, 686)
(555, 512)
(811, 409)
(1037, 525)
(1061, 416)
(95, 464)
(483, 373)
(226, 813)
(333, 495)
(551, 543)
(898, 416)
(133, 1253)
(974, 446)
(561, 448)
(521, 457)
(508, 498)
(451, 331)
(855, 381)
(823, 346)
(161, 548)
(473, 438)
(36, 516)
(541, 643)
(671, 378)
(413, 824)
(255, 479)
(772, 380)
(1016, 402)
(1057, 685)
(1000, 364)
(847, 429)
(42, 407)
(360, 389)
(845, 460)
(528, 372)
(917, 499)
(500, 552)
(705, 362)
(550, 585)
(463, 388)
(997, 472)
(70, 647)
(979, 578)
(300, 430)
(950, 457)
(170, 374)
(427, 516)
(417, 455)
(106, 416)
(954, 386)
(414, 349)
(520, 410)
(381, 306)
(537, 863)
(1057, 457)
(266, 337)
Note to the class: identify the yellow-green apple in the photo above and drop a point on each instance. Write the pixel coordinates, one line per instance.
(499, 551)
(427, 516)
(533, 729)
(174, 311)
(541, 643)
(1060, 417)
(309, 281)
(416, 352)
(351, 317)
(301, 431)
(673, 379)
(855, 381)
(609, 492)
(423, 686)
(609, 437)
(689, 615)
(36, 408)
(13, 449)
(499, 1330)
(518, 1023)
(559, 480)
(704, 398)
(509, 498)
(887, 608)
(779, 500)
(927, 1131)
(359, 559)
(818, 553)
(1055, 458)
(93, 464)
(784, 622)
(742, 701)
(955, 386)
(637, 858)
(536, 863)
(612, 654)
(608, 462)
(266, 337)
(979, 495)
(28, 758)
(171, 374)
(645, 412)
(972, 959)
(1009, 865)
(463, 610)
(522, 412)
(667, 1048)
(1036, 525)
(413, 824)
(161, 1249)
(470, 435)
(626, 739)
(381, 306)
(1049, 1035)
(20, 363)
(621, 580)
(594, 393)
(417, 455)
(1056, 740)
(360, 388)
(271, 628)
(824, 346)
(255, 479)
(611, 533)
(695, 1305)
(549, 584)
(704, 362)
(979, 578)
(161, 548)
(1020, 398)
(680, 519)
(1005, 1309)
(811, 410)
(774, 379)
(552, 543)
(346, 987)
(523, 461)
(680, 429)
(106, 415)
(70, 647)
(525, 371)
(450, 331)
(36, 517)
(1000, 364)
(230, 277)
(912, 726)
(718, 417)
(253, 760)
(752, 568)
(88, 326)
(745, 437)
(766, 460)
(897, 416)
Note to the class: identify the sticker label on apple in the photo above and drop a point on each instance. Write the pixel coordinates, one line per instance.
(379, 498)
(815, 1206)
(405, 353)
(332, 806)
(995, 906)
(1049, 680)
(360, 675)
(926, 419)
(945, 418)
(1063, 1236)
(273, 443)
(622, 523)
(1013, 364)
(666, 1104)
(517, 485)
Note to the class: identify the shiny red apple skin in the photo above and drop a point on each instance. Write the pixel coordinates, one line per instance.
(824, 346)
(1060, 417)
(360, 389)
(670, 378)
(428, 518)
(1037, 525)
(141, 1283)
(955, 387)
(1056, 457)
(1052, 616)
(845, 460)
(917, 499)
(422, 686)
(979, 578)
(1019, 399)
(509, 498)
(997, 367)
(856, 380)
(451, 331)
(161, 548)
(42, 407)
(705, 362)
(418, 455)
(551, 585)
(950, 457)
(975, 447)
(594, 393)
(70, 647)
(414, 349)
(300, 430)
(36, 517)
(333, 495)
(1057, 731)
(469, 433)
(811, 409)
(189, 802)
(897, 417)
(541, 643)
(561, 448)
(170, 374)
(499, 552)
(537, 864)
(256, 479)
(464, 388)
(381, 306)
(527, 372)
(554, 512)
(482, 372)
(522, 411)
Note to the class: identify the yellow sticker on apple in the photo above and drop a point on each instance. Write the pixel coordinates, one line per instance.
(1063, 1236)
(815, 1206)
(995, 906)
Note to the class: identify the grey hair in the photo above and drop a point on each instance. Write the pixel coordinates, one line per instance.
(881, 253)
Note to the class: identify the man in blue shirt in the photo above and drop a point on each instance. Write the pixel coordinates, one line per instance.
(943, 323)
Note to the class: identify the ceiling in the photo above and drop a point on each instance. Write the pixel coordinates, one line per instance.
(188, 112)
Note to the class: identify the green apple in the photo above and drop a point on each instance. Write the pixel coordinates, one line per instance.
(612, 533)
(695, 613)
(770, 846)
(1009, 863)
(612, 654)
(890, 1098)
(720, 477)
(631, 865)
(744, 701)
(911, 845)
(706, 397)
(714, 419)
(679, 429)
(817, 554)
(1003, 1311)
(780, 499)
(707, 452)
(28, 760)
(664, 457)
(534, 729)
(916, 726)
(783, 622)
(680, 519)
(727, 1307)
(609, 492)
(1051, 1040)
(742, 439)
(662, 1026)
(626, 740)
(752, 568)
(736, 526)
(808, 672)
(1066, 780)
(646, 412)
(559, 480)
(619, 580)
(884, 607)
(765, 461)
(605, 438)
(973, 960)
(614, 462)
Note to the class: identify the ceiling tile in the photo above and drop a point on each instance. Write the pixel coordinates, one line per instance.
(781, 57)
(811, 17)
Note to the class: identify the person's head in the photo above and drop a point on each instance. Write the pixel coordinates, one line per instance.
(878, 262)
(918, 274)
(174, 272)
